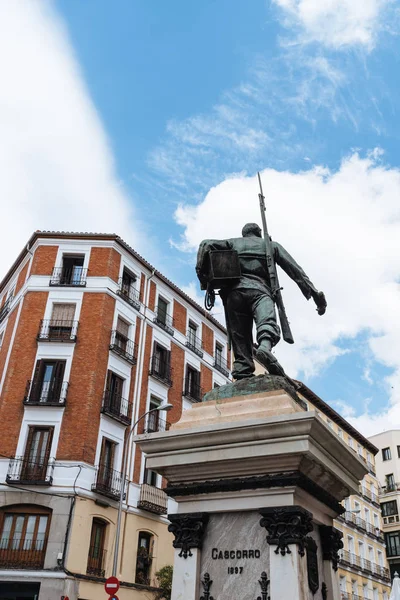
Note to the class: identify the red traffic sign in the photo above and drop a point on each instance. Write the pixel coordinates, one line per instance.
(112, 586)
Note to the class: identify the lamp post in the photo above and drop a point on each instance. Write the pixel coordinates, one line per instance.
(165, 407)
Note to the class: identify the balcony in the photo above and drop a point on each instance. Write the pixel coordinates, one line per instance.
(194, 343)
(15, 557)
(164, 321)
(161, 370)
(154, 424)
(68, 277)
(21, 470)
(221, 365)
(371, 468)
(108, 482)
(96, 561)
(46, 394)
(192, 390)
(369, 495)
(153, 499)
(55, 330)
(128, 293)
(5, 309)
(362, 564)
(374, 531)
(124, 347)
(117, 407)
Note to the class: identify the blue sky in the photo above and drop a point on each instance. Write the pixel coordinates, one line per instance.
(151, 119)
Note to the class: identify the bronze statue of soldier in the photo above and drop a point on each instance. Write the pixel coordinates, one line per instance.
(251, 293)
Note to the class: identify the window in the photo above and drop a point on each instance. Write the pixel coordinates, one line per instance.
(47, 384)
(153, 419)
(360, 450)
(114, 403)
(105, 475)
(144, 558)
(398, 451)
(160, 366)
(61, 325)
(371, 554)
(192, 384)
(380, 558)
(24, 531)
(389, 508)
(390, 483)
(1, 338)
(386, 454)
(219, 361)
(216, 385)
(350, 544)
(37, 453)
(367, 515)
(71, 272)
(162, 310)
(96, 561)
(375, 593)
(392, 541)
(193, 341)
(128, 283)
(121, 334)
(340, 433)
(150, 477)
(365, 591)
(376, 521)
(350, 442)
(342, 583)
(218, 353)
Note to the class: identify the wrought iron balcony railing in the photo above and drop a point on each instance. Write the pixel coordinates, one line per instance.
(161, 370)
(56, 330)
(371, 467)
(22, 553)
(221, 365)
(153, 499)
(194, 343)
(5, 309)
(74, 276)
(29, 472)
(128, 293)
(164, 320)
(117, 407)
(154, 423)
(363, 564)
(123, 346)
(192, 390)
(108, 482)
(42, 393)
(96, 561)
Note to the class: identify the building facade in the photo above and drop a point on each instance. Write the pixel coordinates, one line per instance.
(363, 569)
(388, 472)
(91, 338)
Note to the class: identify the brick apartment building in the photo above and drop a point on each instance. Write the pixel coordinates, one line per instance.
(91, 337)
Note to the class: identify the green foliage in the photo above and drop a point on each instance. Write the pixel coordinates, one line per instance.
(164, 580)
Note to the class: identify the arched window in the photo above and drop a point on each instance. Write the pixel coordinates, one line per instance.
(23, 536)
(144, 557)
(96, 557)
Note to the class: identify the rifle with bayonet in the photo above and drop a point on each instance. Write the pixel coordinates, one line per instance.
(273, 275)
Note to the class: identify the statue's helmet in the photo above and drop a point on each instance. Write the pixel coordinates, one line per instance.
(251, 229)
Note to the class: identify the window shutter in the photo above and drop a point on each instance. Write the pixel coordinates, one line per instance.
(63, 312)
(108, 380)
(122, 327)
(58, 378)
(37, 380)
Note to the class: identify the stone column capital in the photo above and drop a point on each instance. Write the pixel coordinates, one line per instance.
(331, 542)
(286, 525)
(188, 529)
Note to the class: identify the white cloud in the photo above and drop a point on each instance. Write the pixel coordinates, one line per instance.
(56, 166)
(343, 227)
(336, 23)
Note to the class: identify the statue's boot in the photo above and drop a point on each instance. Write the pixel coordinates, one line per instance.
(268, 360)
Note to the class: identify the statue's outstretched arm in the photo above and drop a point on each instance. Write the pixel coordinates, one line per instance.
(295, 272)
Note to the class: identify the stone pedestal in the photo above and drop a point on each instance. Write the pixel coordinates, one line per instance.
(258, 481)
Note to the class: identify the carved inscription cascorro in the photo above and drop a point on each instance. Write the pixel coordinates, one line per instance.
(217, 554)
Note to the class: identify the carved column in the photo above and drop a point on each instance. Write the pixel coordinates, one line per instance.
(188, 529)
(331, 542)
(287, 528)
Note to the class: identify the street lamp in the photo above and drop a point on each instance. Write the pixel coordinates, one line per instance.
(124, 469)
